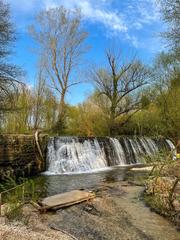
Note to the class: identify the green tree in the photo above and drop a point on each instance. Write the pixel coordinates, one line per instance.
(166, 73)
(19, 121)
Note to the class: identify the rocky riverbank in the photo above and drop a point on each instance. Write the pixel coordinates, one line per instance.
(117, 213)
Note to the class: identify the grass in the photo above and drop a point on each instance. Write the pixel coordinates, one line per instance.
(15, 194)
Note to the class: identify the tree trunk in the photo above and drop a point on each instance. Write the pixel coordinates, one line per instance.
(60, 124)
(112, 127)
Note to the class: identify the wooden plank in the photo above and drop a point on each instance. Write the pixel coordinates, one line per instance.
(66, 199)
(73, 203)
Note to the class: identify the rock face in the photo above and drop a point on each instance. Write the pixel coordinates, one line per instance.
(19, 155)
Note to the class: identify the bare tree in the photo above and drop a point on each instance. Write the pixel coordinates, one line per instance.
(8, 72)
(59, 33)
(44, 104)
(118, 85)
(38, 100)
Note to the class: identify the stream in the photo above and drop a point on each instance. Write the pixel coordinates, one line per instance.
(117, 213)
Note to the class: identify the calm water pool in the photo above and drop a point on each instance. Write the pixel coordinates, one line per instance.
(53, 184)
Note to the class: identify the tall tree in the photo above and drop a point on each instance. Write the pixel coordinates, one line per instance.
(171, 15)
(167, 75)
(118, 85)
(8, 72)
(38, 100)
(61, 39)
(45, 105)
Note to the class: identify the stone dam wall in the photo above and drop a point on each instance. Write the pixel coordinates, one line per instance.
(19, 155)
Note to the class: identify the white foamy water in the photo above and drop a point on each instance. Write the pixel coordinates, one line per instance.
(76, 155)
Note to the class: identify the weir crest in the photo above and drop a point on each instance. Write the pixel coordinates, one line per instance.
(83, 154)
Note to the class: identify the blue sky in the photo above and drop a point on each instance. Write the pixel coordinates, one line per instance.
(132, 25)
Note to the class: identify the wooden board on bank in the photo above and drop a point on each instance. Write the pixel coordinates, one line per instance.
(66, 199)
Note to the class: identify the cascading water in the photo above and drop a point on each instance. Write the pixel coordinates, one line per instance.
(66, 154)
(77, 154)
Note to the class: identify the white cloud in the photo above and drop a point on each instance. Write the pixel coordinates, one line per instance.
(142, 12)
(137, 25)
(123, 19)
(127, 17)
(149, 11)
(134, 40)
(94, 11)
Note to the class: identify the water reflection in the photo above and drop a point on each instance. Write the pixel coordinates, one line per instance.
(50, 185)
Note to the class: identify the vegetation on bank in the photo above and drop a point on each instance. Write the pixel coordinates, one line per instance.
(14, 193)
(162, 191)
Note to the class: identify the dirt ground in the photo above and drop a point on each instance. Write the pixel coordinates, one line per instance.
(29, 226)
(11, 232)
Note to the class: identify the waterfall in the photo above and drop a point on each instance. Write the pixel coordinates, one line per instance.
(78, 154)
(120, 154)
(70, 155)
